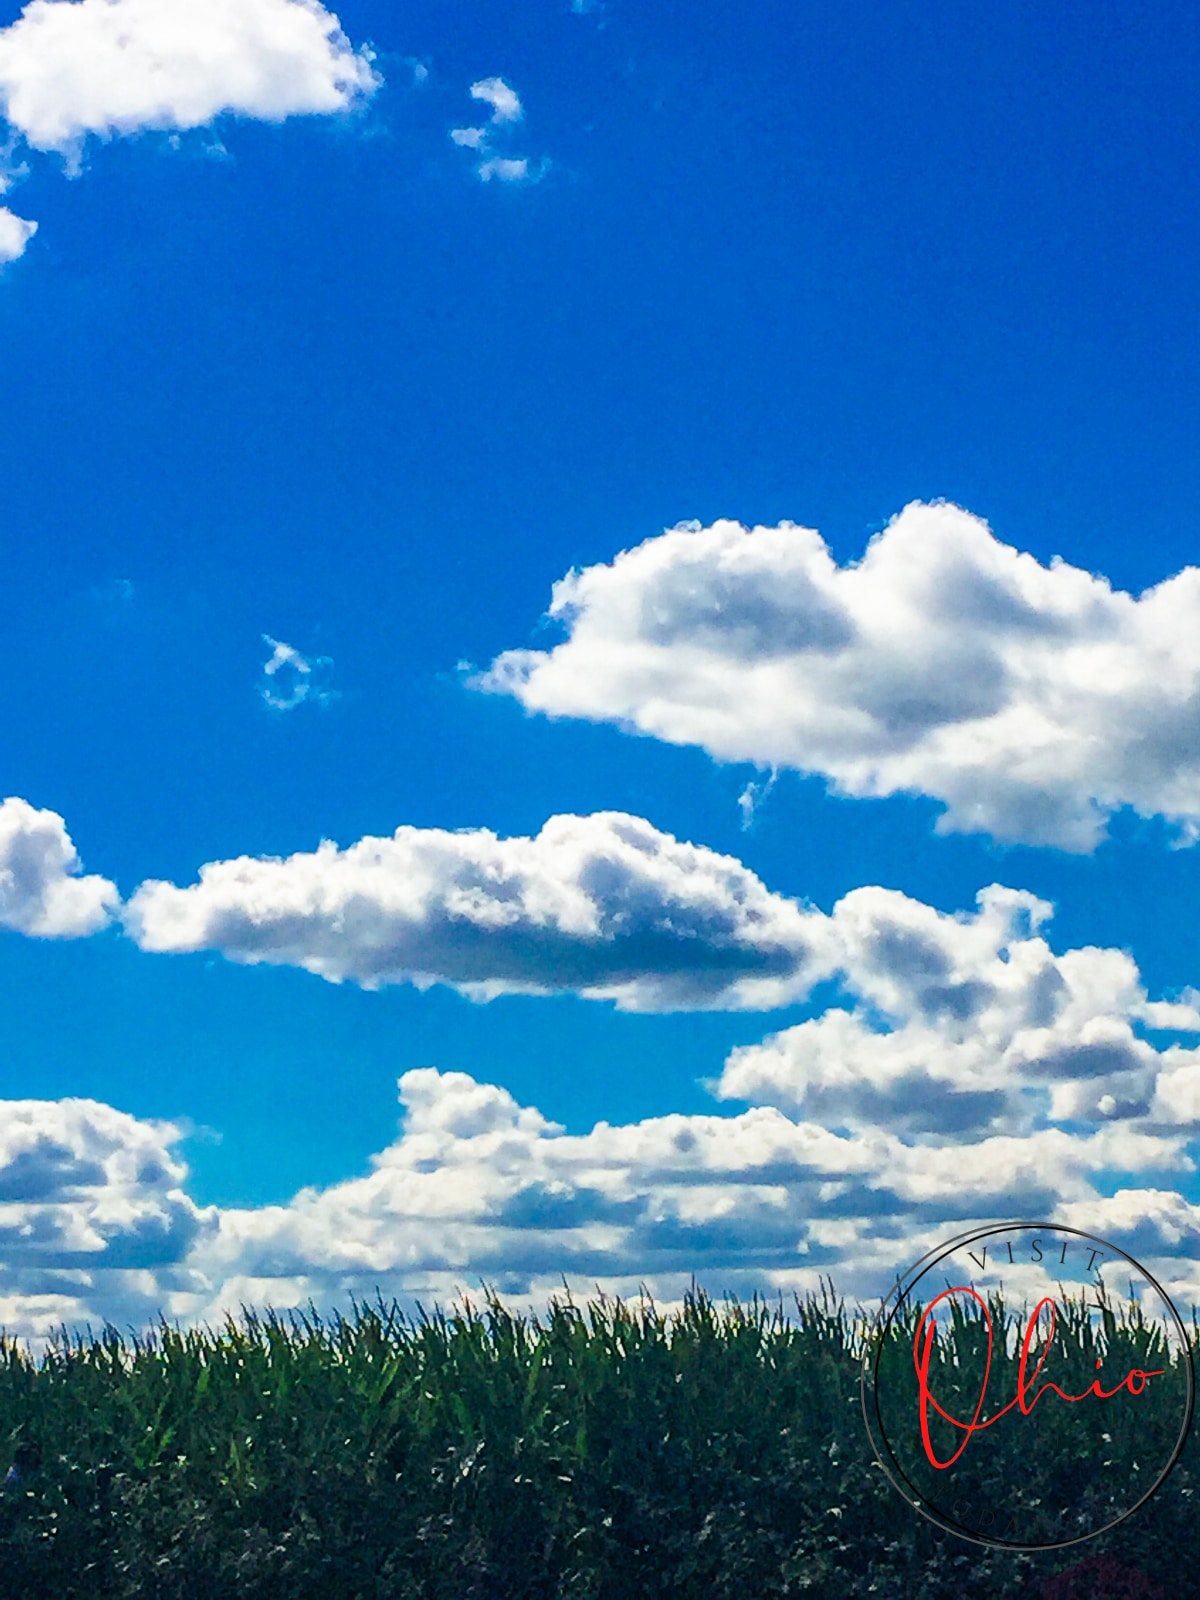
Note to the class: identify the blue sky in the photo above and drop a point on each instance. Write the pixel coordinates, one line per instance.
(292, 374)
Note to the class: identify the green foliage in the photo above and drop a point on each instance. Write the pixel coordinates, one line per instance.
(602, 1453)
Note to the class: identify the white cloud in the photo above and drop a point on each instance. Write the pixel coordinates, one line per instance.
(606, 906)
(504, 101)
(94, 1222)
(965, 1072)
(506, 112)
(753, 797)
(291, 678)
(504, 168)
(70, 68)
(970, 1025)
(479, 1188)
(1031, 701)
(15, 234)
(41, 890)
(969, 1018)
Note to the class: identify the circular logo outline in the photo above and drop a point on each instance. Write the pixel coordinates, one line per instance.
(878, 1331)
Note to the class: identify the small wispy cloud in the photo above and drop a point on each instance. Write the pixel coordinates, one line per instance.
(119, 592)
(290, 679)
(507, 112)
(752, 797)
(503, 99)
(507, 169)
(113, 604)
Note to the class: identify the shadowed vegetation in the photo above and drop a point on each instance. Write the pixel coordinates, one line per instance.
(605, 1453)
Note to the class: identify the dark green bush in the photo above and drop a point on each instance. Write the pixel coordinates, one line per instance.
(603, 1453)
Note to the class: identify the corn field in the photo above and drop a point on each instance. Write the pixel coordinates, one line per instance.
(608, 1452)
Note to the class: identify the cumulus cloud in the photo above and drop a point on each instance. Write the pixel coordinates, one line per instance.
(70, 68)
(969, 1025)
(605, 906)
(289, 678)
(94, 1221)
(506, 112)
(15, 234)
(971, 1014)
(961, 1072)
(478, 1188)
(1032, 701)
(42, 891)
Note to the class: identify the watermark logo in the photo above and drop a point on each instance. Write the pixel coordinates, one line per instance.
(1027, 1385)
